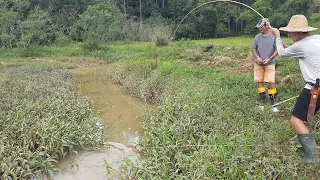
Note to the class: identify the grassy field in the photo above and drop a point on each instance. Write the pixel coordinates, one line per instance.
(204, 125)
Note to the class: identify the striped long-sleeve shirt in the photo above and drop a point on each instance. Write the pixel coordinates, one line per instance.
(307, 51)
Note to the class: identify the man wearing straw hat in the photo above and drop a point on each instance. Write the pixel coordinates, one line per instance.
(306, 49)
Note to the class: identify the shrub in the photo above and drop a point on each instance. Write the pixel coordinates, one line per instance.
(31, 51)
(162, 39)
(91, 45)
(63, 40)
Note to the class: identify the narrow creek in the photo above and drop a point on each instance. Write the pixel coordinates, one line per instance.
(120, 113)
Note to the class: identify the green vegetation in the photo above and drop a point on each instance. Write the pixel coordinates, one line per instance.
(204, 127)
(42, 119)
(315, 22)
(27, 23)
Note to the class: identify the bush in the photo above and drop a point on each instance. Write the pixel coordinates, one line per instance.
(91, 45)
(31, 51)
(162, 39)
(63, 40)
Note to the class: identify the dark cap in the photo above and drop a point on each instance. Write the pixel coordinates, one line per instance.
(262, 22)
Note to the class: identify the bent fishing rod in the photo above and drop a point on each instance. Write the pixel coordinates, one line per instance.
(210, 3)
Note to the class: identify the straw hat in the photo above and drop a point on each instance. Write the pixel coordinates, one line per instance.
(298, 23)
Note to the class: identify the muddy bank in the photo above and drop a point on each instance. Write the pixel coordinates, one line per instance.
(91, 165)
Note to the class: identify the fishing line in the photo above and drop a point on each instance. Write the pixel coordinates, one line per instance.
(236, 2)
(210, 3)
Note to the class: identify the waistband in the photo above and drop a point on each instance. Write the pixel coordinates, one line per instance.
(310, 83)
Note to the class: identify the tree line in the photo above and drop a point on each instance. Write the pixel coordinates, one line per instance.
(26, 23)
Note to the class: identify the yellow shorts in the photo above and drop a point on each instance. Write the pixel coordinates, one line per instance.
(264, 73)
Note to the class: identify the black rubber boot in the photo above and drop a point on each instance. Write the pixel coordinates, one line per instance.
(309, 148)
(263, 97)
(273, 99)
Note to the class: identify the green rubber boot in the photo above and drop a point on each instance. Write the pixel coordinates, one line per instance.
(309, 147)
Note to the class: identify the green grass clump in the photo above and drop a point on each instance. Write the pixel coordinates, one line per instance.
(42, 120)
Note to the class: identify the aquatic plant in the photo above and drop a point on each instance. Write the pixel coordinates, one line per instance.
(42, 119)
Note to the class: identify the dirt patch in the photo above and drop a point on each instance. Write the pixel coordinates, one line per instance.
(241, 63)
(245, 63)
(216, 61)
(244, 67)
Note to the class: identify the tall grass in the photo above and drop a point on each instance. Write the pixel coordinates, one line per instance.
(42, 119)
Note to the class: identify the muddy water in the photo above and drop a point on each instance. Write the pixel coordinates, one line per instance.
(121, 113)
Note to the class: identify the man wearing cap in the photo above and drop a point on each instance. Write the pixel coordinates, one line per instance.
(265, 51)
(306, 49)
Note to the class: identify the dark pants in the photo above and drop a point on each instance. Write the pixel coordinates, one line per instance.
(302, 105)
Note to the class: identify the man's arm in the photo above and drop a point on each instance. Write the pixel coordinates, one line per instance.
(275, 32)
(284, 44)
(275, 53)
(256, 55)
(294, 51)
